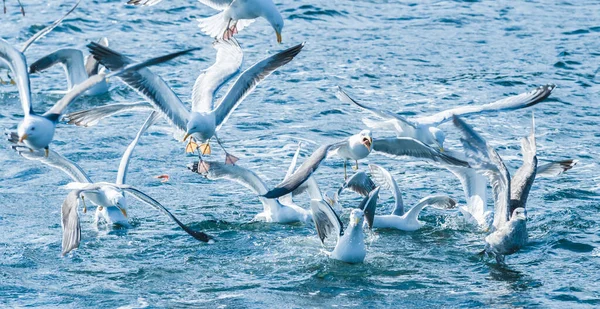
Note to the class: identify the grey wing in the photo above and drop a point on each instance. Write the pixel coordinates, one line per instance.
(217, 4)
(555, 168)
(16, 62)
(489, 162)
(47, 29)
(243, 176)
(475, 189)
(228, 63)
(55, 112)
(303, 172)
(406, 146)
(91, 64)
(54, 159)
(147, 84)
(523, 179)
(71, 228)
(287, 199)
(141, 196)
(144, 2)
(360, 183)
(384, 179)
(368, 206)
(511, 103)
(91, 117)
(249, 79)
(122, 173)
(70, 58)
(326, 220)
(401, 121)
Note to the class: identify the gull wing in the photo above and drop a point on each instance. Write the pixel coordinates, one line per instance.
(91, 64)
(228, 63)
(487, 159)
(368, 205)
(91, 117)
(359, 183)
(303, 172)
(522, 180)
(437, 201)
(141, 196)
(144, 2)
(70, 58)
(56, 110)
(511, 103)
(54, 159)
(327, 222)
(70, 223)
(384, 179)
(147, 84)
(16, 62)
(217, 4)
(287, 199)
(249, 79)
(475, 188)
(399, 121)
(554, 168)
(47, 29)
(406, 146)
(122, 173)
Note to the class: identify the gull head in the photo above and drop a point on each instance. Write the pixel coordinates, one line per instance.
(276, 21)
(202, 125)
(35, 131)
(439, 137)
(519, 214)
(363, 138)
(356, 217)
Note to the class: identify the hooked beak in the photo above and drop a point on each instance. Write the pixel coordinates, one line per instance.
(367, 141)
(186, 136)
(22, 138)
(279, 40)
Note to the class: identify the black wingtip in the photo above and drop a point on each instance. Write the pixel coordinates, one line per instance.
(275, 193)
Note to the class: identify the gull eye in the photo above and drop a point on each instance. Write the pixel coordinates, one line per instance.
(32, 128)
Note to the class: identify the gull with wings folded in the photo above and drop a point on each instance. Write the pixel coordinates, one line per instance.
(109, 197)
(37, 131)
(510, 194)
(425, 129)
(399, 219)
(207, 116)
(77, 68)
(235, 15)
(357, 147)
(350, 243)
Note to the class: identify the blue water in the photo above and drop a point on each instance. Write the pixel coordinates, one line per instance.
(414, 57)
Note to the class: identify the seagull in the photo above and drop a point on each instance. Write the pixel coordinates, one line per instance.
(20, 5)
(77, 68)
(38, 35)
(350, 245)
(425, 129)
(206, 116)
(357, 147)
(37, 131)
(109, 197)
(510, 194)
(399, 219)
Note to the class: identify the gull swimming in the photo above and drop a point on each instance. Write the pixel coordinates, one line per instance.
(350, 244)
(109, 197)
(425, 129)
(206, 116)
(399, 218)
(510, 194)
(77, 68)
(359, 146)
(37, 131)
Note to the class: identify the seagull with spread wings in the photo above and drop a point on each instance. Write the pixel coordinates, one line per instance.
(109, 197)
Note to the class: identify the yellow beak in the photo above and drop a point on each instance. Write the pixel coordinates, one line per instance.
(356, 220)
(279, 40)
(22, 138)
(186, 136)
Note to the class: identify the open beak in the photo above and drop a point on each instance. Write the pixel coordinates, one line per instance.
(367, 141)
(22, 138)
(279, 40)
(186, 136)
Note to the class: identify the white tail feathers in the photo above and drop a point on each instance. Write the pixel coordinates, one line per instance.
(216, 25)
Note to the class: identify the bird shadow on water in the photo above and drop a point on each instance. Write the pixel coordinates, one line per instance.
(517, 280)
